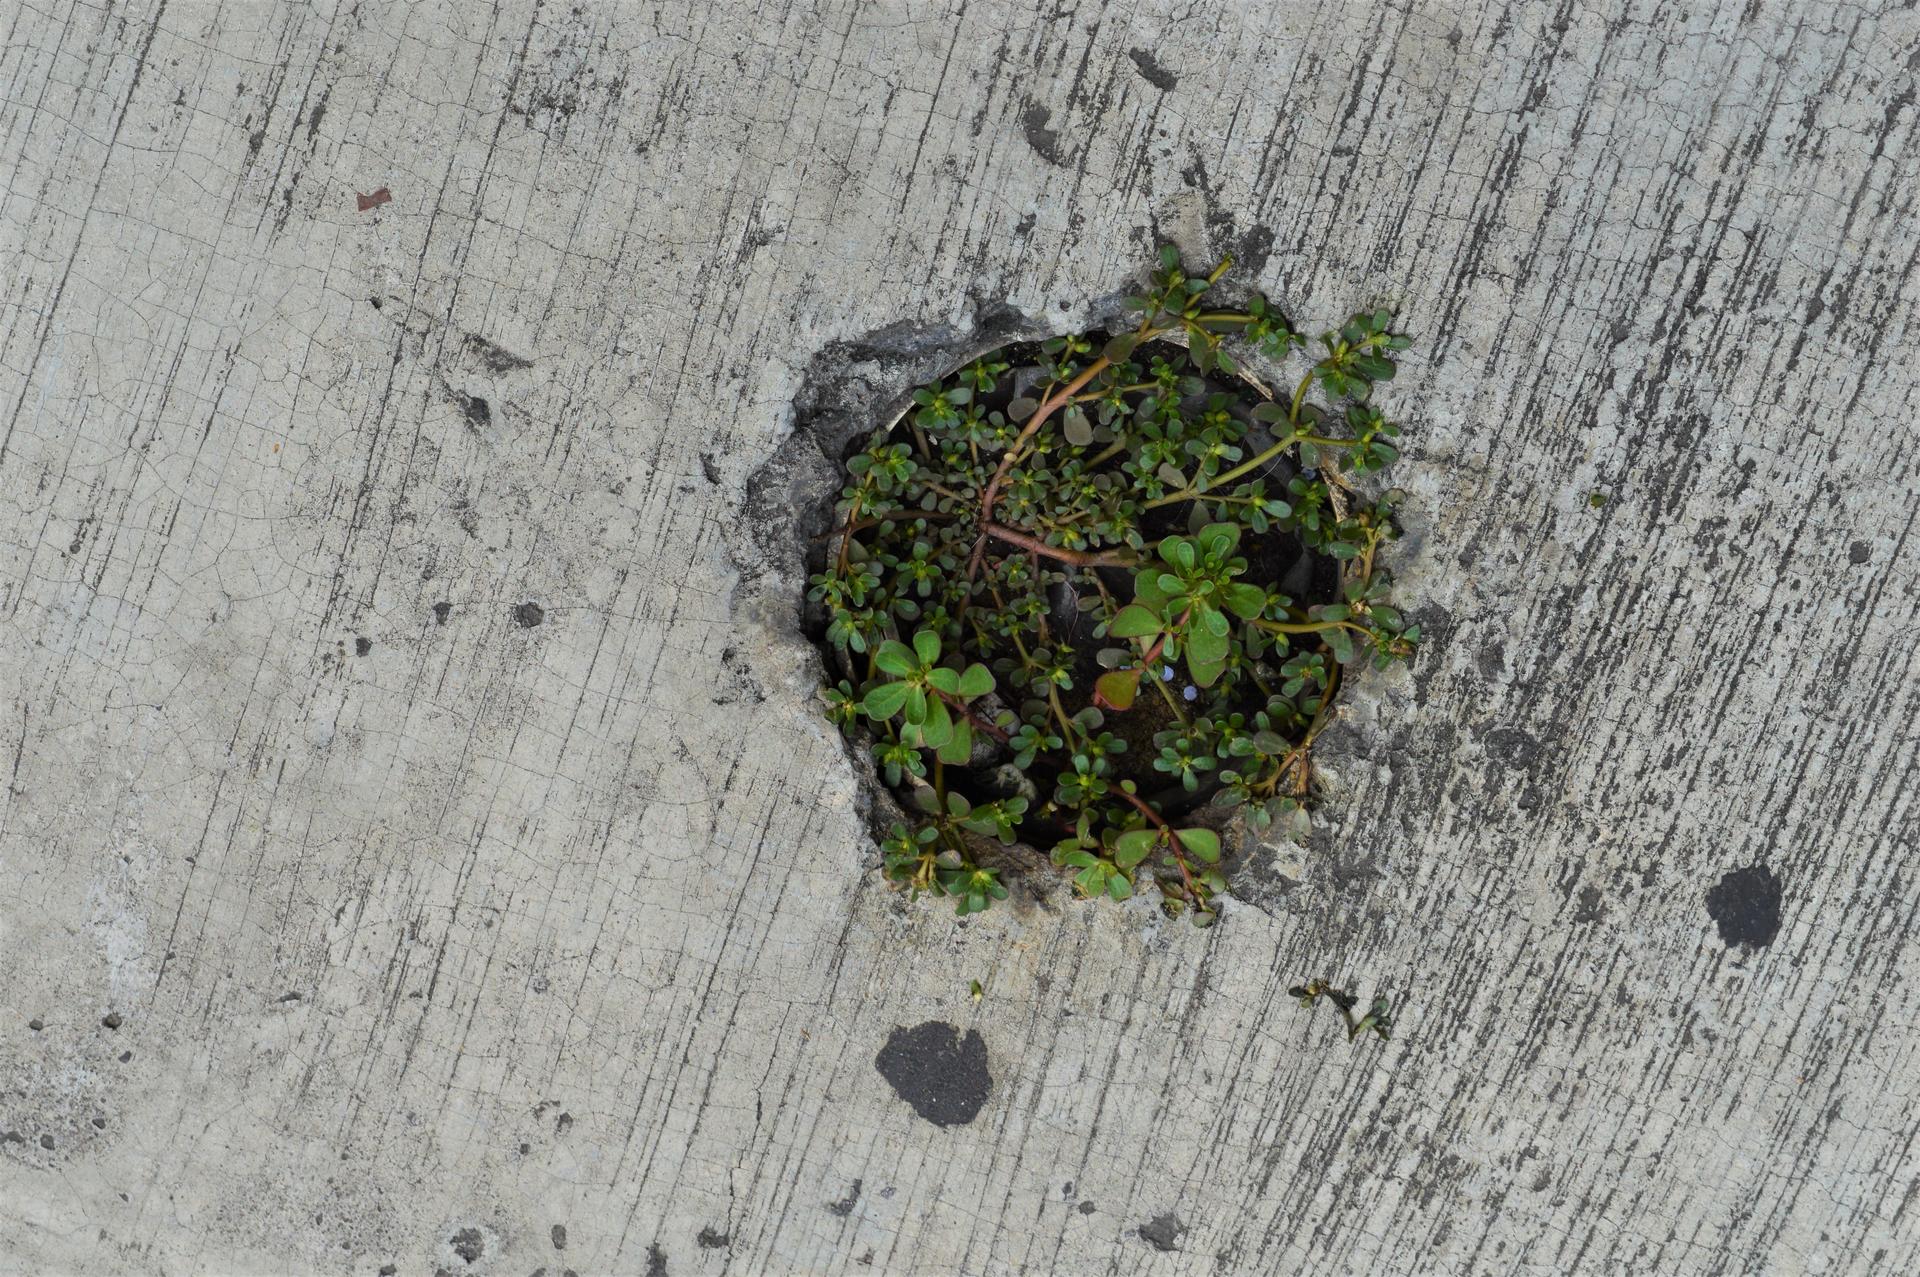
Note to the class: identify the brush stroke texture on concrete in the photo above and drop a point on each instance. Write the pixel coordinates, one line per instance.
(417, 846)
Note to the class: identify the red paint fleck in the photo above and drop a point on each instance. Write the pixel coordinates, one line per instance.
(375, 200)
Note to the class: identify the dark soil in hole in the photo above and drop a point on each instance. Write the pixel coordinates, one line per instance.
(1276, 559)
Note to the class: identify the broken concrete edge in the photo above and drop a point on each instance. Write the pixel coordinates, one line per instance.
(852, 386)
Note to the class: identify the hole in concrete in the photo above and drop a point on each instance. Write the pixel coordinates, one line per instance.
(860, 393)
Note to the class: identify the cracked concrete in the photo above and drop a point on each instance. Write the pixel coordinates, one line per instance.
(418, 849)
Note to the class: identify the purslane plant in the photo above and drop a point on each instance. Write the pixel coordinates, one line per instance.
(1058, 527)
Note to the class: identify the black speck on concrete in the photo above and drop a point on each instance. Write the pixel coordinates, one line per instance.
(361, 646)
(46, 1142)
(713, 1239)
(1033, 122)
(478, 411)
(1150, 70)
(1859, 552)
(1745, 905)
(1086, 1208)
(1163, 1232)
(529, 614)
(111, 1020)
(468, 1244)
(559, 1236)
(845, 1205)
(941, 1074)
(441, 611)
(656, 1261)
(388, 1270)
(36, 1025)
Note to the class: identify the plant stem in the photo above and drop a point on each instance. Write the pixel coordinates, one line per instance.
(1247, 467)
(960, 706)
(853, 513)
(1173, 843)
(1060, 713)
(1134, 389)
(1300, 394)
(1160, 686)
(1308, 627)
(1100, 559)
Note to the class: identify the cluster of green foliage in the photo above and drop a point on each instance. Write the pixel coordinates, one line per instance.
(1116, 471)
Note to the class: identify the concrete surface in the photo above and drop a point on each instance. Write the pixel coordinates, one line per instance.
(419, 853)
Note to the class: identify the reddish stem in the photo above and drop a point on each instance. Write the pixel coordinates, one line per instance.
(1173, 843)
(1058, 398)
(970, 716)
(1079, 558)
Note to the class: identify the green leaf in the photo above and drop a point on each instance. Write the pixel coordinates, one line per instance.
(894, 658)
(1247, 601)
(927, 644)
(1342, 644)
(947, 680)
(1075, 426)
(1214, 621)
(1220, 537)
(884, 701)
(1203, 843)
(1374, 367)
(959, 746)
(1118, 688)
(975, 680)
(1169, 257)
(1204, 647)
(1134, 846)
(1118, 887)
(1147, 591)
(1204, 674)
(937, 728)
(916, 705)
(1134, 621)
(1120, 349)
